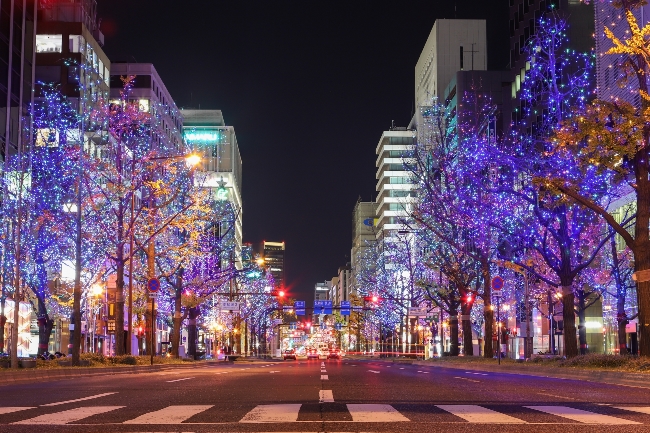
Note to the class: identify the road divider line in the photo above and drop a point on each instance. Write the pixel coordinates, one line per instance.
(79, 399)
(325, 396)
(4, 410)
(178, 380)
(170, 415)
(324, 377)
(373, 371)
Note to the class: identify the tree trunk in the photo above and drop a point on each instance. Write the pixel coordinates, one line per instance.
(468, 347)
(488, 314)
(120, 337)
(569, 319)
(191, 332)
(453, 334)
(45, 325)
(582, 328)
(177, 320)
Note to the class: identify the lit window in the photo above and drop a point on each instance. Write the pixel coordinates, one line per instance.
(77, 44)
(144, 105)
(49, 43)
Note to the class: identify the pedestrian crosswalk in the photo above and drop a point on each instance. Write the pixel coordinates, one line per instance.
(340, 412)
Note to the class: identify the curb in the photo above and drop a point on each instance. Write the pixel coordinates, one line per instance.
(638, 380)
(76, 372)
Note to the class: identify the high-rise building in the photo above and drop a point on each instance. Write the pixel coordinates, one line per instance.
(609, 67)
(524, 19)
(363, 234)
(69, 53)
(152, 97)
(453, 45)
(395, 188)
(322, 291)
(17, 33)
(206, 132)
(273, 254)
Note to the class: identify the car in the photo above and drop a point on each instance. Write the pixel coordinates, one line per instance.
(312, 353)
(334, 354)
(289, 354)
(323, 354)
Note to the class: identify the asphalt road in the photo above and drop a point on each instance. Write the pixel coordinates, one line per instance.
(322, 396)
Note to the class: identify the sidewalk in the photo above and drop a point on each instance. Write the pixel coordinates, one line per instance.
(638, 380)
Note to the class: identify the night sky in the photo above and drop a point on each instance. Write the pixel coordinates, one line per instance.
(309, 87)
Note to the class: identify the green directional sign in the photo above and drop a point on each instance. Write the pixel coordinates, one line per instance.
(433, 318)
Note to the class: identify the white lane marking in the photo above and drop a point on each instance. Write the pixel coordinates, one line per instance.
(419, 371)
(401, 368)
(375, 413)
(388, 366)
(373, 371)
(79, 399)
(557, 396)
(478, 414)
(640, 409)
(169, 415)
(4, 410)
(582, 416)
(324, 377)
(274, 371)
(425, 372)
(325, 396)
(323, 371)
(272, 413)
(67, 416)
(178, 380)
(469, 380)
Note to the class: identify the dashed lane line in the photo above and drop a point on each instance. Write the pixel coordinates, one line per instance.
(178, 380)
(325, 396)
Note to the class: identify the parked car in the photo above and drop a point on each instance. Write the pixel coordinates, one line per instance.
(289, 354)
(334, 354)
(312, 353)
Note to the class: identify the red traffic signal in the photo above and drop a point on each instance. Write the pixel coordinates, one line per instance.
(374, 299)
(470, 298)
(281, 293)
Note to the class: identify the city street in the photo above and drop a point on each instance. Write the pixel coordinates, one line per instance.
(322, 396)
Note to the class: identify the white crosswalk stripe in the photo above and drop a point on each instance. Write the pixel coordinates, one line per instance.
(272, 413)
(580, 415)
(640, 409)
(371, 413)
(375, 413)
(68, 416)
(479, 414)
(169, 415)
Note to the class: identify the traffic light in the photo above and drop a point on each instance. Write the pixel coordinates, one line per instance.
(280, 293)
(375, 299)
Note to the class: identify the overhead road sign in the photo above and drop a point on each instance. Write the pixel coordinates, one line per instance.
(417, 312)
(323, 307)
(229, 306)
(299, 308)
(345, 308)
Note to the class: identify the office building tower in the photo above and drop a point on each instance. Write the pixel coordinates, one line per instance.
(395, 188)
(363, 235)
(609, 67)
(149, 91)
(453, 45)
(69, 53)
(206, 132)
(273, 254)
(17, 34)
(322, 291)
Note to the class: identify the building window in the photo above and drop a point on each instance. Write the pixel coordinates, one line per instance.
(49, 43)
(76, 44)
(144, 105)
